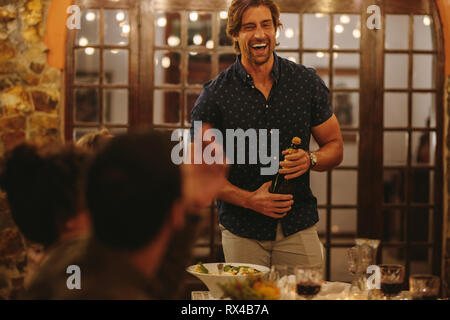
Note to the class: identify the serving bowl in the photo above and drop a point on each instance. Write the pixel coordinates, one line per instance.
(213, 278)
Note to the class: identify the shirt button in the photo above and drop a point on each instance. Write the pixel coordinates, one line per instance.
(253, 87)
(267, 106)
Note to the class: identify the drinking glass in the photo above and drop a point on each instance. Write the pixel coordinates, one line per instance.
(392, 276)
(424, 287)
(309, 281)
(282, 275)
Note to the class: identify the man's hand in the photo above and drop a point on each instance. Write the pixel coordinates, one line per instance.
(295, 164)
(270, 204)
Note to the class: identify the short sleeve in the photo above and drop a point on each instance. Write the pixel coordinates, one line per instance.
(206, 110)
(321, 108)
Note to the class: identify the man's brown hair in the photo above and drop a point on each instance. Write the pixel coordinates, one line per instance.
(237, 9)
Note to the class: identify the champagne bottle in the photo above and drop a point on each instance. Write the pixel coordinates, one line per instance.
(279, 183)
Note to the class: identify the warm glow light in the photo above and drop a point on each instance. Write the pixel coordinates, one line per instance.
(120, 16)
(114, 51)
(198, 39)
(319, 15)
(339, 28)
(83, 42)
(289, 33)
(173, 41)
(162, 22)
(356, 34)
(223, 15)
(335, 46)
(89, 51)
(292, 59)
(320, 55)
(193, 53)
(426, 20)
(210, 44)
(90, 16)
(335, 55)
(126, 28)
(345, 19)
(122, 43)
(165, 62)
(193, 16)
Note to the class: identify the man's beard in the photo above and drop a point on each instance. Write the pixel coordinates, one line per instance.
(259, 60)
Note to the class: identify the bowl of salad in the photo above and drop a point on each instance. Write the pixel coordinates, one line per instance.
(211, 274)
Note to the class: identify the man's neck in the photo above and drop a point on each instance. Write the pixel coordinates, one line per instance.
(260, 73)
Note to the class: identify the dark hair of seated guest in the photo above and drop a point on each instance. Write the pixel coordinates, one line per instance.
(45, 188)
(131, 189)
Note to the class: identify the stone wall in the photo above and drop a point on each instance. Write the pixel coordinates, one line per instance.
(30, 96)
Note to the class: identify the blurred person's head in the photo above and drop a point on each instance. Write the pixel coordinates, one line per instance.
(45, 191)
(254, 22)
(134, 195)
(95, 140)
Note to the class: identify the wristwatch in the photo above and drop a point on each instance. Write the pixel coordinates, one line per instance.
(313, 158)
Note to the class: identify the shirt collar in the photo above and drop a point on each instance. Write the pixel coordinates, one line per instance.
(244, 76)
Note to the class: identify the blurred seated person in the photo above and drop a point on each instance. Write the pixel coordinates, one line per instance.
(145, 214)
(45, 193)
(95, 140)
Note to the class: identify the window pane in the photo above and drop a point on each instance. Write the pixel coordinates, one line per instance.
(115, 106)
(318, 182)
(199, 68)
(351, 145)
(288, 36)
(115, 66)
(423, 33)
(89, 32)
(346, 70)
(395, 148)
(344, 222)
(167, 29)
(199, 29)
(87, 105)
(347, 31)
(191, 98)
(292, 56)
(424, 110)
(395, 110)
(394, 256)
(117, 27)
(394, 225)
(423, 148)
(423, 71)
(224, 40)
(320, 62)
(396, 71)
(87, 65)
(394, 186)
(346, 108)
(167, 67)
(316, 31)
(422, 266)
(397, 31)
(422, 185)
(226, 60)
(347, 195)
(166, 107)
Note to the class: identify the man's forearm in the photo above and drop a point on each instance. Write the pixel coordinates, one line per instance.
(234, 195)
(329, 156)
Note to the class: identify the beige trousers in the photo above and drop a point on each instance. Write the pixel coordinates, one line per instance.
(302, 248)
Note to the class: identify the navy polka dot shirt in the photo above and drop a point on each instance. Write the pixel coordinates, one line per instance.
(298, 101)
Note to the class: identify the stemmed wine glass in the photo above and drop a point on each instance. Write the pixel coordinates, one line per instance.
(392, 276)
(309, 281)
(424, 287)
